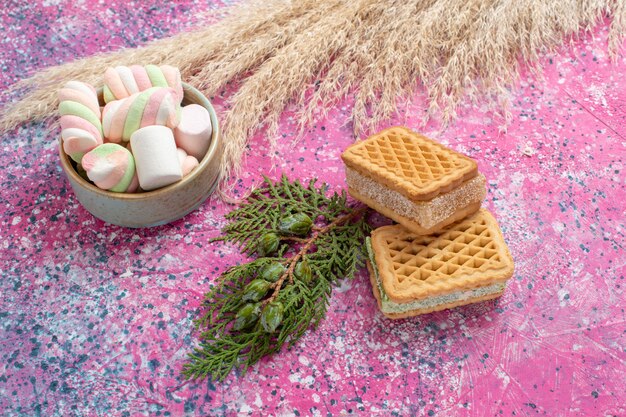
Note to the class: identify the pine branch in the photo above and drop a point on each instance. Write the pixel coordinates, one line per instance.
(257, 307)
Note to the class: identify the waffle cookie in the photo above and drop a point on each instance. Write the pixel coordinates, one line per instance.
(464, 263)
(413, 180)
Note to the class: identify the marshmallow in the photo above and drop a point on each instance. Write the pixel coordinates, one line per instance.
(111, 167)
(81, 129)
(187, 162)
(154, 106)
(156, 157)
(193, 133)
(121, 82)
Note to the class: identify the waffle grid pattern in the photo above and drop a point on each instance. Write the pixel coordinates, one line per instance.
(411, 161)
(467, 254)
(468, 248)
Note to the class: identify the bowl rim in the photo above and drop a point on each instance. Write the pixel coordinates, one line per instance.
(206, 160)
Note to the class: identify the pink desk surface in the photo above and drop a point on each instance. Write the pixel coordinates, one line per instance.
(96, 320)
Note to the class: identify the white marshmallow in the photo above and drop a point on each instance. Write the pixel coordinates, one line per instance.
(156, 158)
(74, 133)
(181, 155)
(107, 116)
(193, 134)
(166, 110)
(128, 79)
(85, 89)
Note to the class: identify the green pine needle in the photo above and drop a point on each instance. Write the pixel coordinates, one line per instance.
(334, 250)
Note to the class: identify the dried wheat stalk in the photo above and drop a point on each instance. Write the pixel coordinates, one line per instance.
(315, 52)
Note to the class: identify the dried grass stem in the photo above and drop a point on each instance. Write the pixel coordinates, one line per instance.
(312, 53)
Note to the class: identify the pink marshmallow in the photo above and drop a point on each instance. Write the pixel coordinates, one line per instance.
(111, 167)
(122, 81)
(193, 133)
(152, 107)
(141, 77)
(118, 118)
(187, 162)
(79, 136)
(69, 121)
(91, 102)
(172, 75)
(134, 184)
(115, 84)
(81, 128)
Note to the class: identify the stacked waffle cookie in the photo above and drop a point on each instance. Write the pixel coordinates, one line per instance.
(446, 251)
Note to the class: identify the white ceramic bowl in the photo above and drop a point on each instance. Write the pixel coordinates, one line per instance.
(157, 207)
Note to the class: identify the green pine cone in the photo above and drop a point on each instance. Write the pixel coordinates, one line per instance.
(268, 244)
(247, 316)
(272, 316)
(297, 224)
(272, 272)
(302, 271)
(255, 290)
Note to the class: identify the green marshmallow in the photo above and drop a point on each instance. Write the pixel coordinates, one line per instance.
(106, 149)
(123, 185)
(135, 113)
(156, 76)
(77, 157)
(108, 94)
(80, 110)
